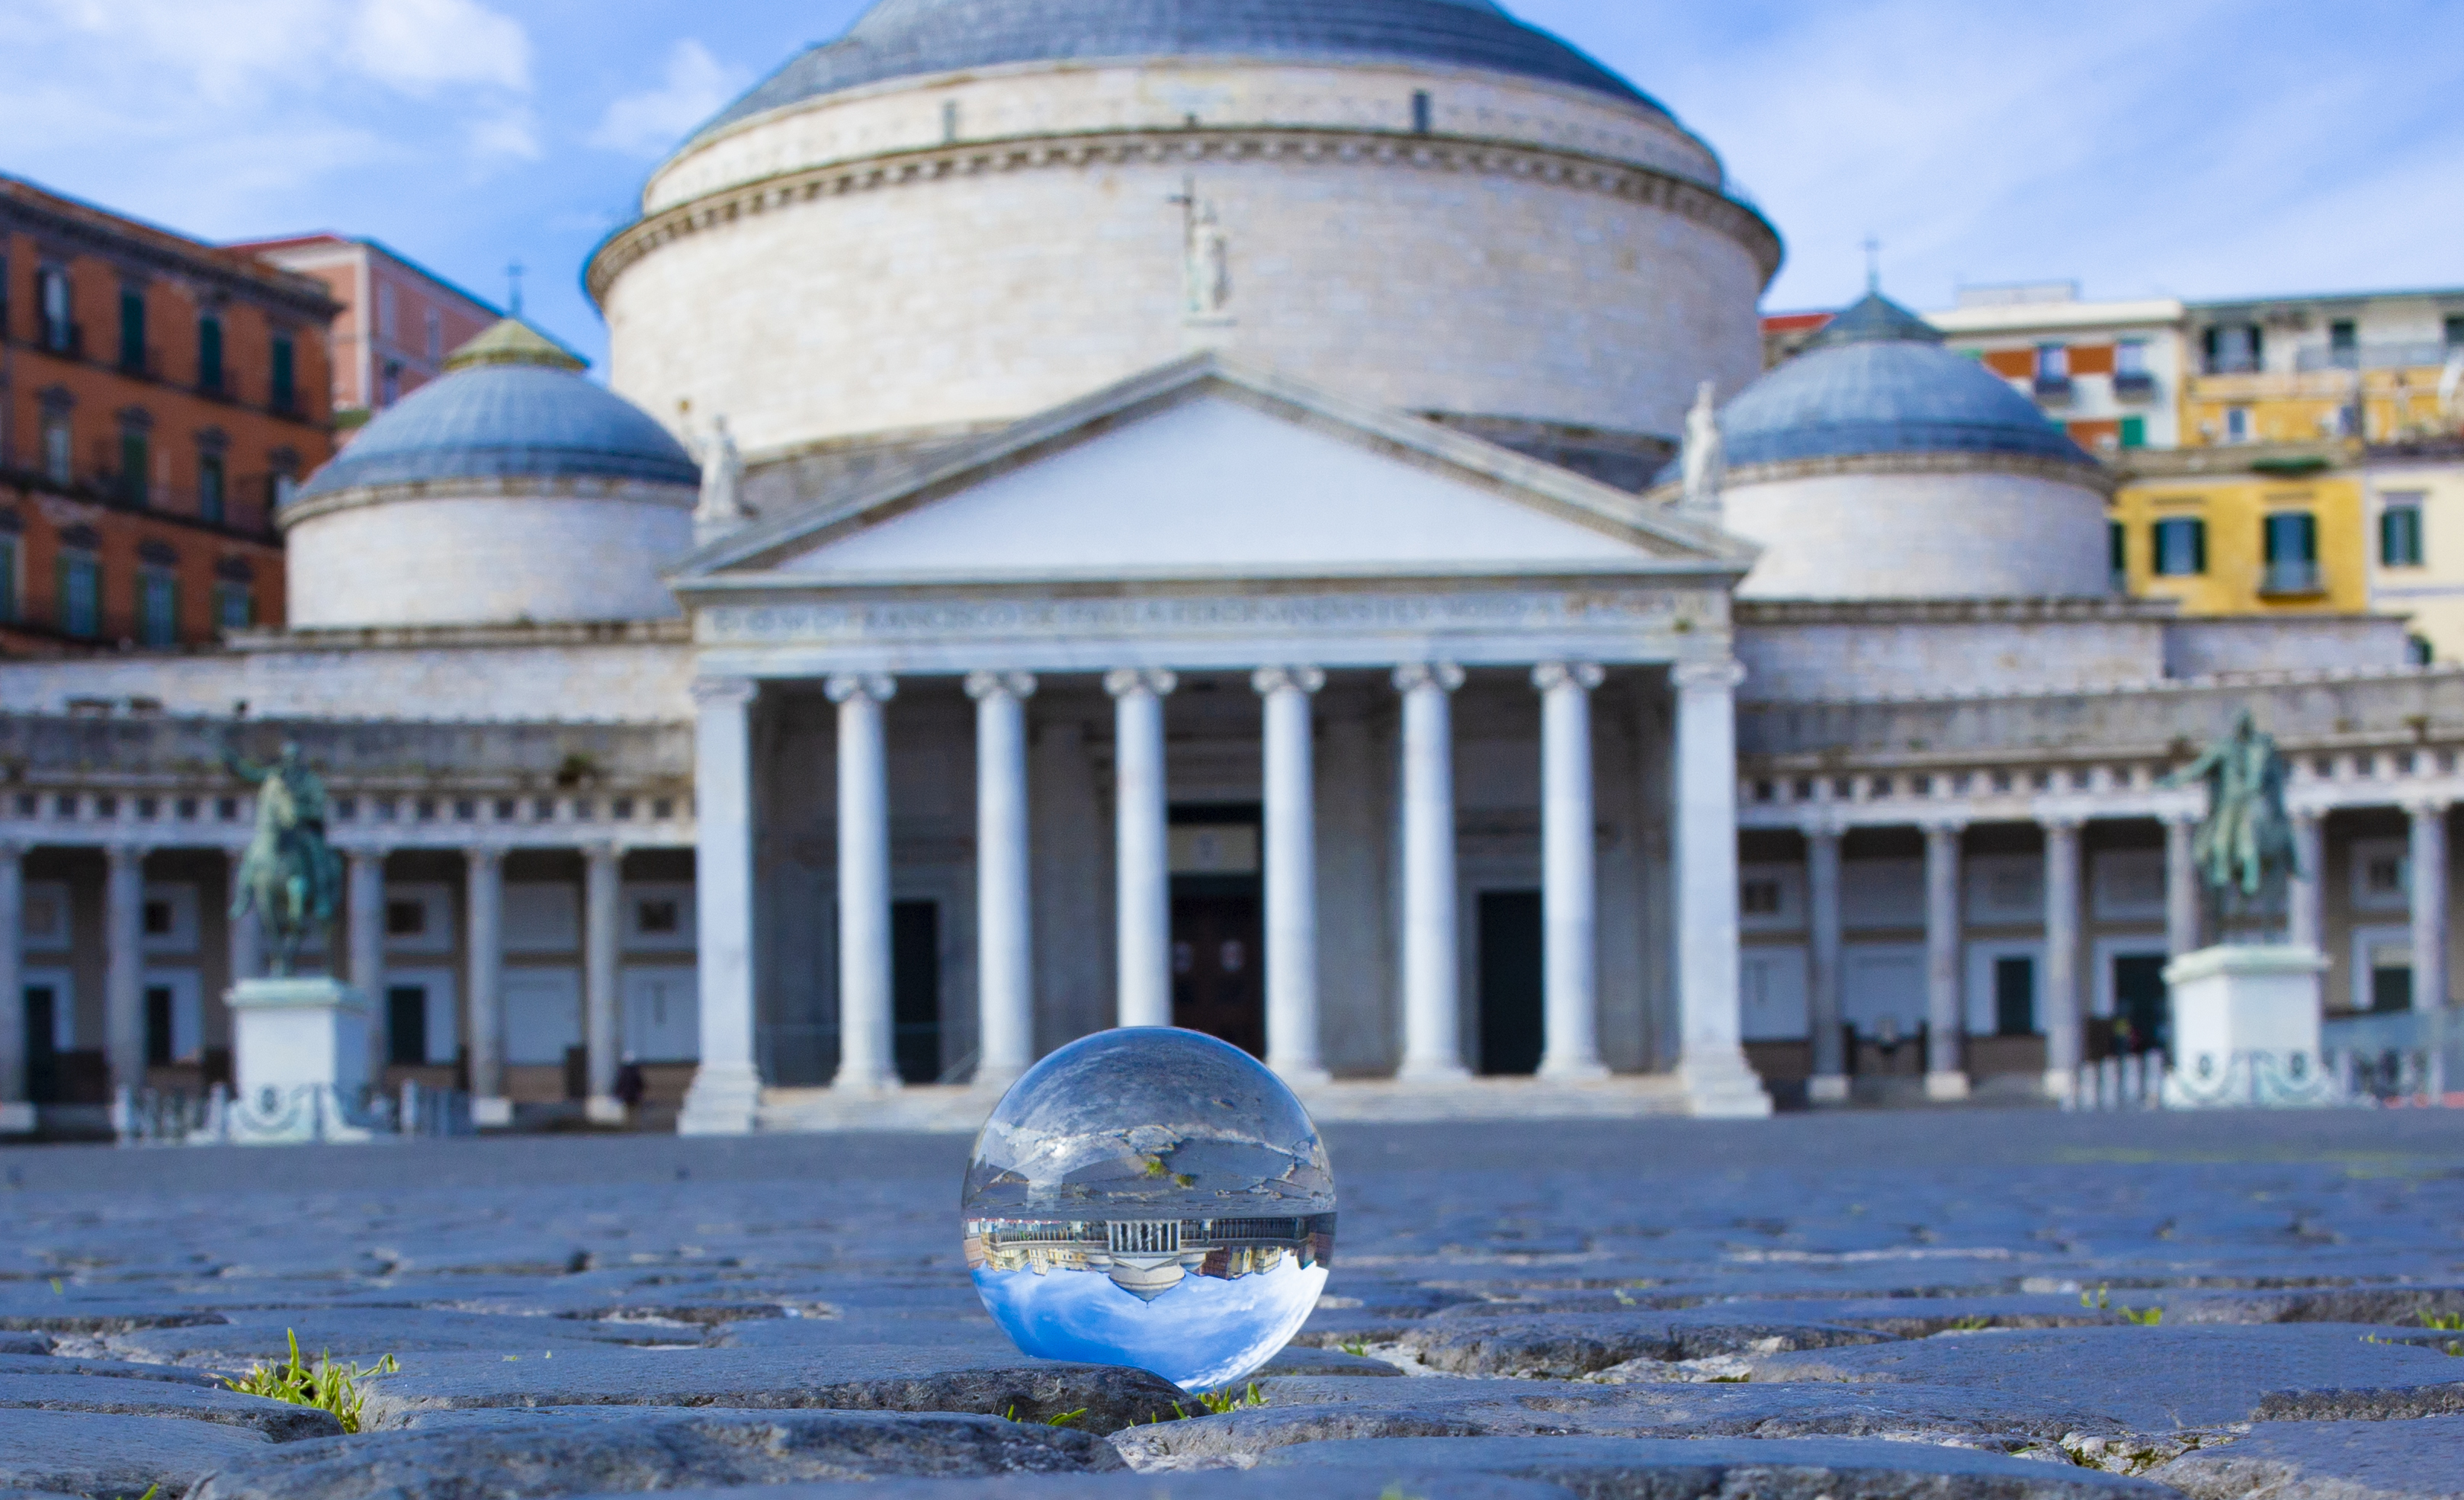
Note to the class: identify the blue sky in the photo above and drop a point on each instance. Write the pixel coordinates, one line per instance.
(2188, 147)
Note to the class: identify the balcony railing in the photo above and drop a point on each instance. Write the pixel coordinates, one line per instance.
(2052, 387)
(2297, 577)
(2133, 385)
(2417, 355)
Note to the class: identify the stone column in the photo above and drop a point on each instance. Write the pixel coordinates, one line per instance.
(1945, 1017)
(726, 1092)
(2182, 920)
(728, 1084)
(1004, 909)
(2427, 869)
(603, 870)
(16, 1112)
(1432, 1020)
(483, 928)
(364, 912)
(246, 935)
(1143, 848)
(1569, 876)
(123, 971)
(1291, 874)
(1712, 1066)
(1828, 1084)
(2062, 1000)
(2306, 919)
(867, 1035)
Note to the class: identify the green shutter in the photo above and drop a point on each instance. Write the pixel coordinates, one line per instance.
(210, 353)
(285, 391)
(2134, 432)
(8, 578)
(136, 457)
(132, 329)
(2198, 546)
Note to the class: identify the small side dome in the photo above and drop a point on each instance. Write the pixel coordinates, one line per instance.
(512, 489)
(1878, 464)
(512, 404)
(1877, 380)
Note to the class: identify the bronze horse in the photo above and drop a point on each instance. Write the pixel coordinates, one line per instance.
(290, 876)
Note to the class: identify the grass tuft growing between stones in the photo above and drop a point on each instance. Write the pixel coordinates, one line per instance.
(325, 1386)
(2101, 1300)
(1213, 1404)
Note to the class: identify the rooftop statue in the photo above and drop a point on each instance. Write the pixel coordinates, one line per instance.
(2243, 848)
(1704, 459)
(722, 483)
(290, 876)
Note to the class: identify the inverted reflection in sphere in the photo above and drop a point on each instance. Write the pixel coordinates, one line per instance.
(1150, 1197)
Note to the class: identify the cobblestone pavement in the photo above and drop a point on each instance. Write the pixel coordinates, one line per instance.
(1946, 1305)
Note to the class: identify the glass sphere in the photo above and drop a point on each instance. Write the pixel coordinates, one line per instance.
(1150, 1197)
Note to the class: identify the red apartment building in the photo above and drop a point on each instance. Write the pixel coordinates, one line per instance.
(399, 320)
(159, 396)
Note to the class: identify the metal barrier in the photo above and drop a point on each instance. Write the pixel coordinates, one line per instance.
(312, 1112)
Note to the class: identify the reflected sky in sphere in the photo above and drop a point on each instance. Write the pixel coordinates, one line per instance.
(1150, 1197)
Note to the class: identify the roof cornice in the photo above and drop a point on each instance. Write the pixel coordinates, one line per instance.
(154, 248)
(1308, 145)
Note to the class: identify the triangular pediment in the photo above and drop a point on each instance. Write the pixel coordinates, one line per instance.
(1206, 471)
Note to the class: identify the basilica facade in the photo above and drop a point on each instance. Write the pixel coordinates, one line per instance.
(1109, 513)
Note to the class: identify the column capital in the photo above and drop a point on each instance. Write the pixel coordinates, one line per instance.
(1123, 681)
(2428, 807)
(1831, 825)
(2180, 818)
(1445, 675)
(1275, 679)
(127, 851)
(1585, 675)
(981, 686)
(2065, 823)
(1721, 676)
(714, 692)
(878, 686)
(484, 857)
(1943, 825)
(602, 849)
(360, 854)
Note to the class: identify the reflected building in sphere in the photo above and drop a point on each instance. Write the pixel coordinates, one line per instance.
(1187, 544)
(1147, 1259)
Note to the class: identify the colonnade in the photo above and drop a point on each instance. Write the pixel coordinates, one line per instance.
(1431, 1043)
(2065, 983)
(362, 933)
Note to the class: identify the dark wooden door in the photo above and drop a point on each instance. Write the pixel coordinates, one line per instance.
(42, 1056)
(1509, 982)
(1218, 985)
(2139, 997)
(915, 989)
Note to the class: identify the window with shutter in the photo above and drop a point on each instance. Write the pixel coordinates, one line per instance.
(2181, 547)
(210, 353)
(136, 465)
(2400, 531)
(157, 608)
(80, 594)
(132, 329)
(286, 392)
(9, 564)
(209, 487)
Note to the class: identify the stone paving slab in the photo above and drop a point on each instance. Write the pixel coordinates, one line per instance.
(1631, 1468)
(861, 1377)
(362, 1336)
(49, 1366)
(1299, 1411)
(2161, 1379)
(277, 1421)
(2418, 1460)
(1213, 1485)
(644, 1450)
(1496, 1341)
(103, 1455)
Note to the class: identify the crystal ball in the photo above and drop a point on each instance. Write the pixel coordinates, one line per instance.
(1150, 1197)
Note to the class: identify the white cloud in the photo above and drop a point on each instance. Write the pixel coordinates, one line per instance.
(514, 134)
(652, 123)
(419, 46)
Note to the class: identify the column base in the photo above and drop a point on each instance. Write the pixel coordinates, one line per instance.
(1945, 1085)
(489, 1113)
(1720, 1084)
(2061, 1085)
(724, 1100)
(1431, 1073)
(866, 1081)
(1827, 1088)
(18, 1119)
(603, 1110)
(1300, 1074)
(1581, 1070)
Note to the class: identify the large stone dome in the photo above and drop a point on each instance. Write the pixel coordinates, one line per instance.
(513, 489)
(966, 211)
(908, 38)
(1878, 464)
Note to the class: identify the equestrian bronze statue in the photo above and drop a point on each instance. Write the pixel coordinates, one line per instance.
(2243, 849)
(290, 876)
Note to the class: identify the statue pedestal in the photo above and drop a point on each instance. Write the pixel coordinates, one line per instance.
(299, 1055)
(2245, 1029)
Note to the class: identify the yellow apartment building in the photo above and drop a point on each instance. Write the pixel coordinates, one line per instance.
(2259, 531)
